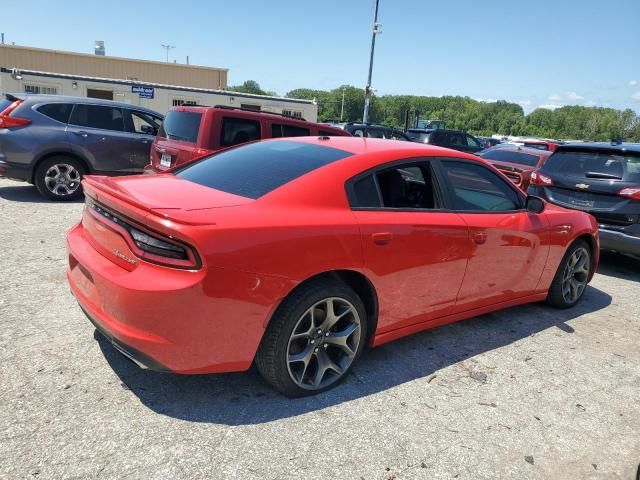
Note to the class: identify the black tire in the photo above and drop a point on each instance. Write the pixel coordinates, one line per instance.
(556, 296)
(273, 353)
(70, 172)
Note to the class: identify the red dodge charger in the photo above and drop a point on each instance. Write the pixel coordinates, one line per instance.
(297, 253)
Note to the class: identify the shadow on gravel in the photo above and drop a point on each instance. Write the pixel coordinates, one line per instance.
(244, 398)
(620, 266)
(26, 193)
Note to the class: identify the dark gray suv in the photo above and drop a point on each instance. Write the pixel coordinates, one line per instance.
(52, 141)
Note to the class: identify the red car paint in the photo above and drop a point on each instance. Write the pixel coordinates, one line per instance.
(518, 173)
(211, 318)
(209, 135)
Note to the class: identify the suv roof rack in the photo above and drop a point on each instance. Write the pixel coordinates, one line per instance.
(228, 107)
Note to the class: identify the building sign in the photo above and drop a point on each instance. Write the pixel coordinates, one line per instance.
(143, 92)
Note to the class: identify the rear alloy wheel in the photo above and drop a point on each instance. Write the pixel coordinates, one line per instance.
(58, 178)
(313, 339)
(572, 276)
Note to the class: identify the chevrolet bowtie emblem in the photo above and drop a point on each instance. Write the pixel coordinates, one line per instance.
(582, 186)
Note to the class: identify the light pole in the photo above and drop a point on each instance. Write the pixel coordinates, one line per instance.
(367, 90)
(342, 107)
(167, 48)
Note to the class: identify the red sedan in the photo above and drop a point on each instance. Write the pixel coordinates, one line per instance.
(517, 163)
(297, 253)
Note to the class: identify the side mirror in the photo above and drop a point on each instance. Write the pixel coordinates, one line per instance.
(534, 204)
(148, 130)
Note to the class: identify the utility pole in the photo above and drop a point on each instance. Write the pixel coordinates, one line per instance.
(342, 108)
(167, 48)
(367, 90)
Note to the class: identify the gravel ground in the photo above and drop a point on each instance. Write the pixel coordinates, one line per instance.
(528, 392)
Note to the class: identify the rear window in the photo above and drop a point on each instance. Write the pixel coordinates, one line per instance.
(278, 130)
(595, 164)
(4, 104)
(183, 126)
(511, 157)
(256, 169)
(57, 111)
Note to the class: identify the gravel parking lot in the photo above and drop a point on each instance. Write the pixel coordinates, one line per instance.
(529, 392)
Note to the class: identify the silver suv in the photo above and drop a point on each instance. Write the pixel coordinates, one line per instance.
(52, 141)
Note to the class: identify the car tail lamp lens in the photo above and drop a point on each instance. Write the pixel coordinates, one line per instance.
(7, 121)
(538, 178)
(156, 246)
(630, 192)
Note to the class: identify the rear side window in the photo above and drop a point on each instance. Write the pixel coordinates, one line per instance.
(511, 157)
(239, 130)
(183, 126)
(278, 130)
(57, 111)
(97, 116)
(254, 170)
(365, 193)
(595, 164)
(478, 189)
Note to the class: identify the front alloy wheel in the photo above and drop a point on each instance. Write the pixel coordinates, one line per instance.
(575, 275)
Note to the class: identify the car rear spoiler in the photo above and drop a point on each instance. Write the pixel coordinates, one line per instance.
(12, 98)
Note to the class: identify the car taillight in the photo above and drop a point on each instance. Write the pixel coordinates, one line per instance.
(538, 178)
(630, 192)
(7, 121)
(151, 244)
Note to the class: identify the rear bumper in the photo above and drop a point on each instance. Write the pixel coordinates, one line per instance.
(619, 242)
(204, 321)
(15, 171)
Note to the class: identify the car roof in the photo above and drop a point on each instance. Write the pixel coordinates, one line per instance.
(601, 146)
(87, 100)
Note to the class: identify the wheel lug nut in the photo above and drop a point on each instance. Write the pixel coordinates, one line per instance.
(326, 334)
(319, 332)
(316, 350)
(326, 345)
(313, 341)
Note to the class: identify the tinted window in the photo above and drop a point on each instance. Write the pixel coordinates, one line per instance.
(239, 130)
(97, 116)
(537, 146)
(324, 133)
(407, 187)
(593, 164)
(278, 130)
(365, 193)
(472, 142)
(476, 188)
(181, 126)
(57, 111)
(257, 169)
(398, 136)
(511, 157)
(358, 133)
(4, 103)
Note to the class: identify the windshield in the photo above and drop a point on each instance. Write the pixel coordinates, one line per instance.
(256, 169)
(595, 164)
(512, 157)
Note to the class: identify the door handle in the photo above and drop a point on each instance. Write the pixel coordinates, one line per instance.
(82, 134)
(382, 238)
(479, 237)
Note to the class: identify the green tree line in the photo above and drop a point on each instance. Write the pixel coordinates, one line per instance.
(480, 118)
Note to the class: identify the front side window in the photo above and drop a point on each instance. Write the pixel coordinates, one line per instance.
(97, 116)
(476, 188)
(472, 142)
(144, 123)
(239, 130)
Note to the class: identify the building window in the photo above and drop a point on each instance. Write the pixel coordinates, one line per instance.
(292, 113)
(37, 90)
(178, 102)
